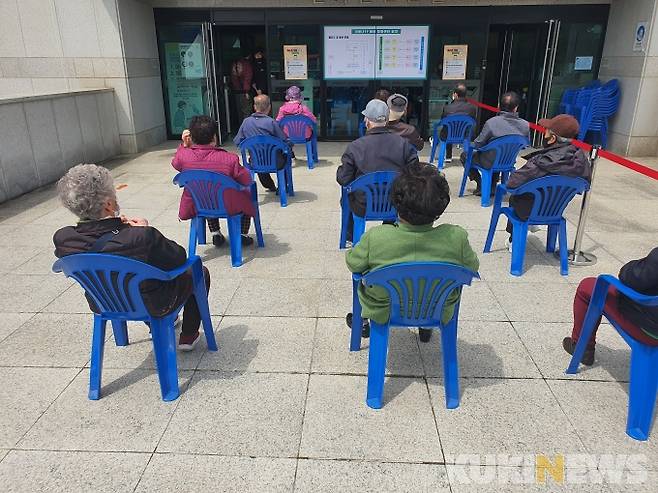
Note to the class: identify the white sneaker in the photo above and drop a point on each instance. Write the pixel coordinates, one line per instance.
(508, 245)
(179, 321)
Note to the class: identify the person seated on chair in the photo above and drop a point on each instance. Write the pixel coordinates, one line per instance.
(380, 149)
(420, 195)
(260, 123)
(294, 106)
(558, 157)
(507, 122)
(199, 151)
(382, 94)
(397, 106)
(87, 190)
(458, 106)
(638, 321)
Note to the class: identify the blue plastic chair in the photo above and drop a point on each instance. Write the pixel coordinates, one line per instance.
(418, 292)
(507, 149)
(259, 155)
(113, 282)
(459, 130)
(207, 190)
(644, 359)
(295, 127)
(377, 190)
(551, 195)
(362, 127)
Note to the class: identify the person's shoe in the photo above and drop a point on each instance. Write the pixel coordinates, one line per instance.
(188, 342)
(218, 240)
(508, 244)
(365, 327)
(348, 243)
(478, 191)
(570, 346)
(447, 160)
(272, 189)
(246, 240)
(533, 228)
(424, 334)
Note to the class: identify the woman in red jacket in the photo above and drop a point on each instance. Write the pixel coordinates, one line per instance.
(199, 151)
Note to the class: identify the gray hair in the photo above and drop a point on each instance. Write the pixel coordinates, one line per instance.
(374, 123)
(85, 189)
(261, 103)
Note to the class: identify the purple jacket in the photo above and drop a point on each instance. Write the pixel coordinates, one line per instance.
(293, 108)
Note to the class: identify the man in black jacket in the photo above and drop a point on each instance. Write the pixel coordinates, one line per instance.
(458, 106)
(88, 192)
(397, 106)
(638, 321)
(380, 149)
(558, 157)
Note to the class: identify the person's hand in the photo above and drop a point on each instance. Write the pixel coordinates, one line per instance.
(134, 221)
(186, 137)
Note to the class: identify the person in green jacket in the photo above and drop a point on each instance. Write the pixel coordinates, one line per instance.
(420, 194)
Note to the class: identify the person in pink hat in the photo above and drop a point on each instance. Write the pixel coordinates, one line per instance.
(294, 106)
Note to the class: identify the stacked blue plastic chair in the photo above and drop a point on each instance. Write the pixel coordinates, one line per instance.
(459, 129)
(507, 149)
(112, 282)
(603, 104)
(259, 155)
(207, 191)
(362, 127)
(376, 188)
(551, 195)
(418, 292)
(644, 359)
(295, 127)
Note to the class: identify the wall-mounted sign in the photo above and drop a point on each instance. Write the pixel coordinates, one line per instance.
(454, 62)
(295, 61)
(583, 63)
(640, 41)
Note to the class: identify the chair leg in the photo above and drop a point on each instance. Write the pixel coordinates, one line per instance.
(433, 151)
(201, 296)
(519, 239)
(96, 365)
(191, 246)
(467, 170)
(235, 239)
(594, 312)
(259, 230)
(309, 154)
(357, 320)
(344, 218)
(551, 237)
(485, 186)
(377, 364)
(291, 187)
(164, 347)
(450, 364)
(442, 155)
(282, 185)
(564, 250)
(359, 228)
(315, 149)
(642, 391)
(120, 330)
(493, 224)
(201, 229)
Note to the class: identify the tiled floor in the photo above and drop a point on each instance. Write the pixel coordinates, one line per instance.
(280, 406)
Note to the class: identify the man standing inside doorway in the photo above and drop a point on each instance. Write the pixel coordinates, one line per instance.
(242, 76)
(260, 72)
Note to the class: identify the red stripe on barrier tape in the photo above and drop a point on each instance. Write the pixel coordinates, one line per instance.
(622, 161)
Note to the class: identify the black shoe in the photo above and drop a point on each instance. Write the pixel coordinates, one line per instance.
(365, 328)
(424, 334)
(272, 189)
(570, 346)
(246, 240)
(218, 240)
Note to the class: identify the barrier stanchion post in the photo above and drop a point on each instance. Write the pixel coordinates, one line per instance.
(577, 256)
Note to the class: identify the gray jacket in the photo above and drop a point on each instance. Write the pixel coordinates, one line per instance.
(504, 123)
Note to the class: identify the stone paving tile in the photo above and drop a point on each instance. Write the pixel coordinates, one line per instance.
(70, 301)
(3, 453)
(262, 344)
(502, 416)
(335, 297)
(222, 293)
(51, 472)
(328, 476)
(535, 302)
(130, 416)
(338, 424)
(9, 322)
(14, 256)
(216, 473)
(479, 303)
(39, 264)
(30, 293)
(272, 297)
(484, 349)
(24, 395)
(251, 414)
(332, 354)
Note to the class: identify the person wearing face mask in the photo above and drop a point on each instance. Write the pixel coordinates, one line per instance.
(557, 157)
(260, 73)
(87, 190)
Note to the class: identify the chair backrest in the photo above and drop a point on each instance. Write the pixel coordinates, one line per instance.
(259, 153)
(207, 190)
(507, 149)
(459, 128)
(295, 127)
(418, 290)
(362, 128)
(551, 194)
(111, 281)
(377, 190)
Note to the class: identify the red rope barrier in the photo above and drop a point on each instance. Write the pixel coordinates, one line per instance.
(622, 161)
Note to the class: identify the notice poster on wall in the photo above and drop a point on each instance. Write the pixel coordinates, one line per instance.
(295, 62)
(454, 62)
(640, 41)
(185, 81)
(368, 52)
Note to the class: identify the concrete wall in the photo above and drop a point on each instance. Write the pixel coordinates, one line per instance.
(54, 46)
(42, 137)
(634, 130)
